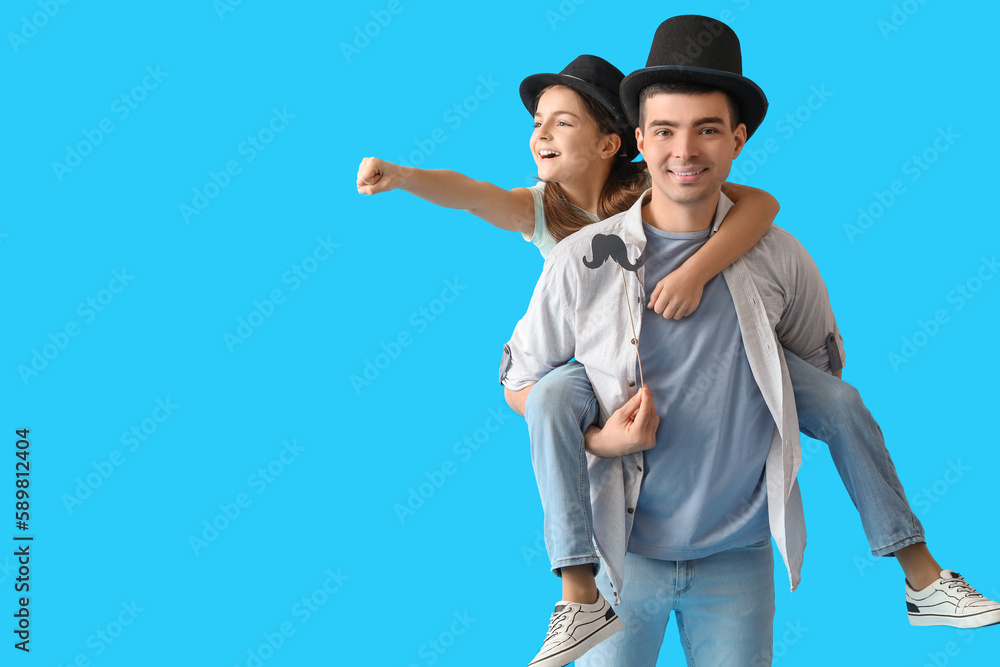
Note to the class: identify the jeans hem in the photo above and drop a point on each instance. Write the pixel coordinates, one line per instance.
(577, 560)
(893, 548)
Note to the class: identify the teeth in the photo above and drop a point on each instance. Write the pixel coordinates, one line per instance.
(548, 153)
(687, 173)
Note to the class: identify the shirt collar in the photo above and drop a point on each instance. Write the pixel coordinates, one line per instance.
(633, 234)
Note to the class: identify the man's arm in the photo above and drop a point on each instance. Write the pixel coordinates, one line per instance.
(807, 326)
(631, 428)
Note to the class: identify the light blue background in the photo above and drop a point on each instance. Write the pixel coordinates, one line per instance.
(472, 550)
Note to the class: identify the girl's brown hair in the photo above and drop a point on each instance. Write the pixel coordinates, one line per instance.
(626, 181)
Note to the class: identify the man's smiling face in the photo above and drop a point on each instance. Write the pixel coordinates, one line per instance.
(689, 144)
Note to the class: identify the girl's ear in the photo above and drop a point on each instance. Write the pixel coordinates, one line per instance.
(610, 145)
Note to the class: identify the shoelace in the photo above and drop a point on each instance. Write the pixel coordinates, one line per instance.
(963, 586)
(555, 624)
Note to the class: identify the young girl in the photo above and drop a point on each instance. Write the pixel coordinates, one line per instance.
(583, 148)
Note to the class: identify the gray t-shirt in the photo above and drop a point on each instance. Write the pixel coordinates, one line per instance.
(703, 487)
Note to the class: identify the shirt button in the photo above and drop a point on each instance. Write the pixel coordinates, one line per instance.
(638, 299)
(639, 468)
(631, 510)
(631, 384)
(633, 341)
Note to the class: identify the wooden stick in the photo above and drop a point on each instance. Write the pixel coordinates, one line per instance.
(628, 302)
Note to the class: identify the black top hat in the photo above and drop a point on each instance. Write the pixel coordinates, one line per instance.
(595, 77)
(701, 50)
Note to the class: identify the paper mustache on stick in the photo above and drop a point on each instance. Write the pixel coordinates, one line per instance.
(609, 245)
(602, 247)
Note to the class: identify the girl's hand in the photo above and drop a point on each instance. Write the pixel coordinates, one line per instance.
(677, 295)
(376, 176)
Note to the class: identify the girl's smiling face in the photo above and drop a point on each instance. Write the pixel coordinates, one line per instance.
(566, 142)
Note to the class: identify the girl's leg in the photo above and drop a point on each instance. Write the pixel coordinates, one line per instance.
(832, 411)
(559, 409)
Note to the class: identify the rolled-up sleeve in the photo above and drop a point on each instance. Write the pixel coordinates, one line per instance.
(544, 339)
(807, 326)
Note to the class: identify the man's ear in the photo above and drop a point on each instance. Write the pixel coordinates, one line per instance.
(611, 145)
(638, 141)
(740, 135)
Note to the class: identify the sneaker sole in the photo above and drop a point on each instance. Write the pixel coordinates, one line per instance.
(569, 655)
(991, 617)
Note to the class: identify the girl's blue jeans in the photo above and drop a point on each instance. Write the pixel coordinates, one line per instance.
(562, 405)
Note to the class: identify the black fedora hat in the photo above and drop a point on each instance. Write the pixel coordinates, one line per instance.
(597, 78)
(700, 50)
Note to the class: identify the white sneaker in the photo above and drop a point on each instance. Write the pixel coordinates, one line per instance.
(575, 629)
(951, 601)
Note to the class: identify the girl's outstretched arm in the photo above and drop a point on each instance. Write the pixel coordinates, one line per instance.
(679, 293)
(506, 209)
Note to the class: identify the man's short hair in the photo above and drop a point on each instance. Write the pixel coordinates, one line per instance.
(686, 88)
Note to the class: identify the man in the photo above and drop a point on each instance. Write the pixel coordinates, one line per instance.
(684, 525)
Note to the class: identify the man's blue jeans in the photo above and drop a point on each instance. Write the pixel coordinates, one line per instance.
(723, 605)
(562, 405)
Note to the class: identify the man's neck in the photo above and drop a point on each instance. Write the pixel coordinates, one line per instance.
(670, 216)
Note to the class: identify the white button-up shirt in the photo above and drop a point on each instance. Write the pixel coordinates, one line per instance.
(780, 301)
